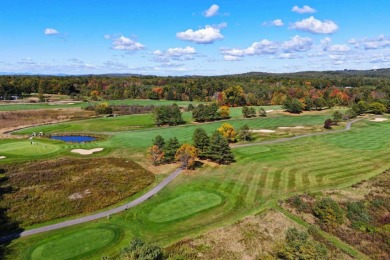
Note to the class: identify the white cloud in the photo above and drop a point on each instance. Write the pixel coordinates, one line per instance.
(264, 47)
(231, 58)
(127, 44)
(207, 35)
(303, 10)
(297, 44)
(174, 53)
(313, 25)
(276, 22)
(212, 11)
(107, 36)
(379, 42)
(338, 48)
(50, 31)
(380, 59)
(288, 56)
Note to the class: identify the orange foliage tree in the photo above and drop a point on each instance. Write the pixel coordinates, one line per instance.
(187, 155)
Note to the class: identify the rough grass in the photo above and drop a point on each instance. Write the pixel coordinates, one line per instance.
(46, 190)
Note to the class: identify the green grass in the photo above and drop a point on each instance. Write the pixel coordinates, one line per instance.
(185, 205)
(143, 102)
(261, 176)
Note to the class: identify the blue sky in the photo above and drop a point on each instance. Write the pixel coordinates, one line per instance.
(197, 37)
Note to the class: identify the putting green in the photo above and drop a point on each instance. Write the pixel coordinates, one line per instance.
(25, 148)
(185, 205)
(76, 244)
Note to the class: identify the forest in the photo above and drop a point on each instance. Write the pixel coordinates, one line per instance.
(335, 87)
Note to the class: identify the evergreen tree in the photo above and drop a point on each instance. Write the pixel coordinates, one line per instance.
(219, 150)
(244, 133)
(159, 141)
(252, 112)
(201, 141)
(170, 149)
(245, 111)
(337, 116)
(262, 112)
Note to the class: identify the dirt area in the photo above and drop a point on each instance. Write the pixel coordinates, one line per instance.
(86, 151)
(13, 120)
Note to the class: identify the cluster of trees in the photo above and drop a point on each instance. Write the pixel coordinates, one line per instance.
(313, 89)
(248, 112)
(204, 113)
(214, 148)
(168, 115)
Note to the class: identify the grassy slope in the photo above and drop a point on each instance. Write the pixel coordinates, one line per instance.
(261, 175)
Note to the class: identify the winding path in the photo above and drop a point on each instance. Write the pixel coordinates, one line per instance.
(150, 193)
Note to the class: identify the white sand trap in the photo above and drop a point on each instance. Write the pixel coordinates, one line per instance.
(70, 103)
(379, 119)
(2, 157)
(292, 127)
(269, 111)
(262, 131)
(86, 151)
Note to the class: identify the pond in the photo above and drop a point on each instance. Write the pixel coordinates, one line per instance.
(73, 138)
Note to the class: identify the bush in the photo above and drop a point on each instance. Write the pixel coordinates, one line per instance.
(139, 250)
(328, 212)
(377, 108)
(103, 108)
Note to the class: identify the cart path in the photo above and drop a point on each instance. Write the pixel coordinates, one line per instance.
(150, 193)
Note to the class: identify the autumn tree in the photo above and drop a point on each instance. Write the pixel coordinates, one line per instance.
(201, 141)
(103, 108)
(219, 149)
(234, 96)
(328, 124)
(187, 155)
(94, 95)
(377, 108)
(228, 132)
(156, 155)
(224, 112)
(293, 105)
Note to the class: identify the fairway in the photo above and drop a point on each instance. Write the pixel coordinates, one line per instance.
(77, 244)
(185, 205)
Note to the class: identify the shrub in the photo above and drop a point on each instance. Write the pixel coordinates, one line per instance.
(328, 212)
(139, 250)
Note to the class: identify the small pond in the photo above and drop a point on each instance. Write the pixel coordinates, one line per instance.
(73, 138)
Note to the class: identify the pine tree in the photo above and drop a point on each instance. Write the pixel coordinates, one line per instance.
(245, 111)
(262, 112)
(244, 133)
(170, 149)
(201, 141)
(252, 112)
(159, 141)
(219, 150)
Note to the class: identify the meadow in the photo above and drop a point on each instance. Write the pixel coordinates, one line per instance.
(213, 196)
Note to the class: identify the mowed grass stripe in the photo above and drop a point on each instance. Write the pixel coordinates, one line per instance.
(254, 186)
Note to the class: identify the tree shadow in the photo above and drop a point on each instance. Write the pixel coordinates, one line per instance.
(9, 229)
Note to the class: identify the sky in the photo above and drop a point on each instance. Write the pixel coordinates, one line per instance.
(198, 37)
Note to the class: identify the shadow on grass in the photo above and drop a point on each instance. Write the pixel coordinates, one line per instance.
(9, 229)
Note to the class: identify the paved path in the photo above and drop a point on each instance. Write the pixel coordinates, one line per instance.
(151, 192)
(98, 215)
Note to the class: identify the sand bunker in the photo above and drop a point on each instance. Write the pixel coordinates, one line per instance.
(87, 152)
(379, 119)
(2, 157)
(269, 111)
(291, 127)
(262, 131)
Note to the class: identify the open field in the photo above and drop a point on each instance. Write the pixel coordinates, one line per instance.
(261, 176)
(65, 187)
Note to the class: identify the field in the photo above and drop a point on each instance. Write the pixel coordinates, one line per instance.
(66, 187)
(214, 196)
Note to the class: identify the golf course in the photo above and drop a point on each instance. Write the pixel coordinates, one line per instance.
(210, 196)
